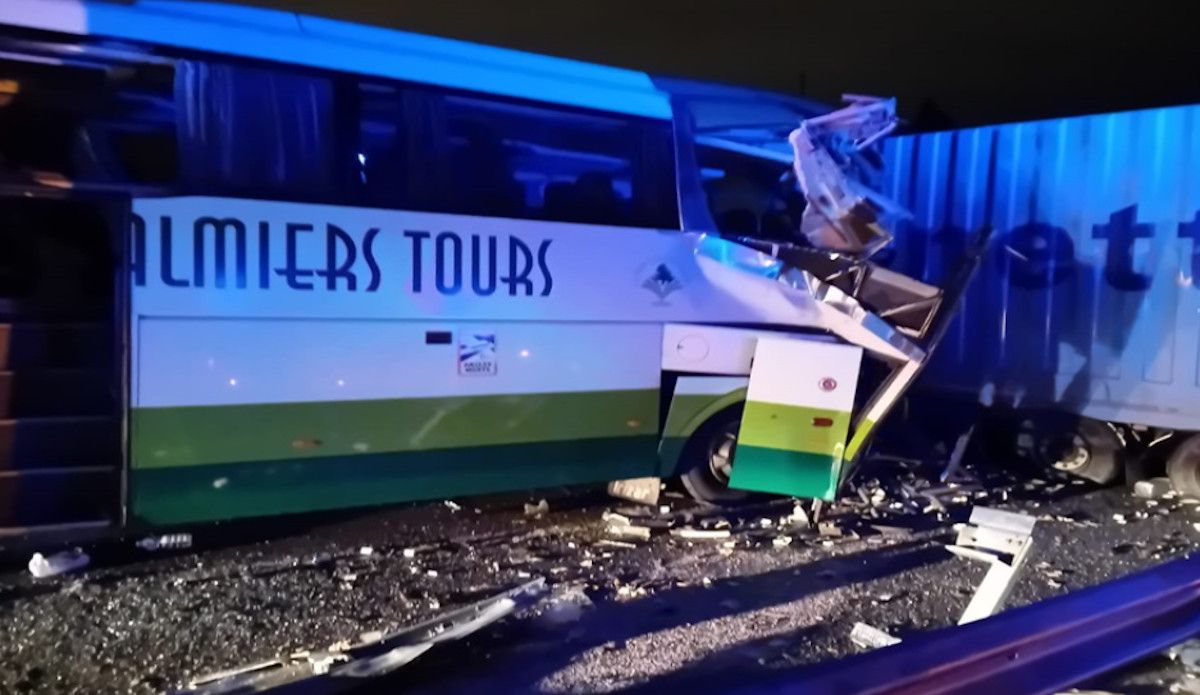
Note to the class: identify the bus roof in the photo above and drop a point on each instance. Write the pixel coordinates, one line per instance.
(326, 43)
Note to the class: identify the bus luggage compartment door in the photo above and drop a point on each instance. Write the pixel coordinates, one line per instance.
(797, 415)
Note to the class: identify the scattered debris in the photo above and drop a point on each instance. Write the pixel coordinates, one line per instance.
(641, 490)
(366, 551)
(701, 533)
(1187, 654)
(638, 532)
(1152, 488)
(616, 519)
(956, 454)
(542, 507)
(410, 552)
(869, 637)
(616, 544)
(452, 505)
(799, 517)
(42, 566)
(170, 541)
(993, 536)
(1120, 519)
(830, 529)
(781, 541)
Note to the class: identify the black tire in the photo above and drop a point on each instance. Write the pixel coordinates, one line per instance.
(1183, 467)
(1080, 447)
(701, 475)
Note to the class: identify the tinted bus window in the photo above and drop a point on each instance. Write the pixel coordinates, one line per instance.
(515, 160)
(256, 130)
(750, 196)
(88, 120)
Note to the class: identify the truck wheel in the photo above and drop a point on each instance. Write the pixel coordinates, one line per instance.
(1087, 449)
(1183, 467)
(707, 460)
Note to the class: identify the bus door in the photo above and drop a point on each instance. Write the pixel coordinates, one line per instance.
(62, 360)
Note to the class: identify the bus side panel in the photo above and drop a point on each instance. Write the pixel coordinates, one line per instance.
(241, 417)
(1087, 301)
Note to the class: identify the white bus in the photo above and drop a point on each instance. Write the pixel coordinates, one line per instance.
(367, 266)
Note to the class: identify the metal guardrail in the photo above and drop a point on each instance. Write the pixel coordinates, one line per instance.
(1045, 647)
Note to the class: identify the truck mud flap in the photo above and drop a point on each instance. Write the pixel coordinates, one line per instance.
(797, 416)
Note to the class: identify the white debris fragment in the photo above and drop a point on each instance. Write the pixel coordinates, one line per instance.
(869, 637)
(1187, 654)
(41, 566)
(615, 518)
(799, 517)
(1119, 518)
(664, 509)
(410, 552)
(641, 490)
(615, 544)
(765, 523)
(538, 509)
(629, 531)
(700, 533)
(431, 573)
(1152, 489)
(452, 505)
(366, 551)
(370, 636)
(170, 541)
(781, 541)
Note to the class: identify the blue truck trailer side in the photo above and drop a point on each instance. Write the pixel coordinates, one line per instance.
(1086, 304)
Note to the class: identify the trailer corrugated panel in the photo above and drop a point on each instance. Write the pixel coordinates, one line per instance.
(1087, 301)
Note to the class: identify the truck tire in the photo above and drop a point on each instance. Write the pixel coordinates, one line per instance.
(1183, 467)
(1081, 447)
(707, 460)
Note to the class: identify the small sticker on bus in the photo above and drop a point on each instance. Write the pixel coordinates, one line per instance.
(476, 354)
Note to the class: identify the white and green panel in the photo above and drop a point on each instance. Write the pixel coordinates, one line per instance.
(797, 415)
(251, 417)
(695, 400)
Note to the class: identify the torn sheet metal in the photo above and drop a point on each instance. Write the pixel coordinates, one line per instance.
(338, 669)
(797, 415)
(1001, 540)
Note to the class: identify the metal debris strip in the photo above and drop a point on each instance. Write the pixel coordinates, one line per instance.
(1001, 540)
(870, 637)
(340, 667)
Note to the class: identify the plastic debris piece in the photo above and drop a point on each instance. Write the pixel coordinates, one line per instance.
(615, 518)
(781, 541)
(641, 490)
(830, 529)
(410, 552)
(869, 637)
(42, 566)
(700, 533)
(452, 505)
(366, 551)
(1152, 489)
(170, 541)
(538, 509)
(616, 544)
(629, 531)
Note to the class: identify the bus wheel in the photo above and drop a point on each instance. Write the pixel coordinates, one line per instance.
(1087, 449)
(1183, 467)
(707, 460)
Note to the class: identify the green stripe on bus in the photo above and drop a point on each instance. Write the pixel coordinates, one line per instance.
(793, 428)
(785, 472)
(201, 435)
(864, 429)
(191, 494)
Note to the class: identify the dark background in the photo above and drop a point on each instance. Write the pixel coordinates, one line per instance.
(950, 62)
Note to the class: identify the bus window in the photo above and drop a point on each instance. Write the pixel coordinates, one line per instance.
(254, 130)
(750, 196)
(89, 120)
(515, 160)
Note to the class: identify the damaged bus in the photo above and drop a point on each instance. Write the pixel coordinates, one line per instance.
(255, 263)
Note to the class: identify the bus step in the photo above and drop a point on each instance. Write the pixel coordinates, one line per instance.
(55, 392)
(53, 442)
(58, 495)
(54, 345)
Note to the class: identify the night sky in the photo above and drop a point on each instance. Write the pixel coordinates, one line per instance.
(950, 62)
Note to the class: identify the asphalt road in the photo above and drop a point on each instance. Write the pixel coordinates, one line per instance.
(667, 613)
